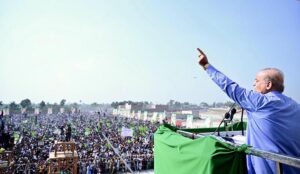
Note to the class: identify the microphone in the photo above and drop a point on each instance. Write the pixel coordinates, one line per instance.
(232, 112)
(229, 115)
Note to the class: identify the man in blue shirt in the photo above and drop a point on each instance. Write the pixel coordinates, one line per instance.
(273, 118)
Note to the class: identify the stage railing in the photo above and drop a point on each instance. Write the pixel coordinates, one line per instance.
(278, 158)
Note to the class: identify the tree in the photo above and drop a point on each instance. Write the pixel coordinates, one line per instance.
(62, 102)
(1, 104)
(177, 104)
(219, 105)
(228, 103)
(114, 105)
(214, 104)
(95, 104)
(204, 105)
(13, 107)
(75, 105)
(26, 103)
(42, 105)
(55, 108)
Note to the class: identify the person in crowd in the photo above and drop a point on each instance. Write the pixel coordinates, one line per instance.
(93, 150)
(68, 133)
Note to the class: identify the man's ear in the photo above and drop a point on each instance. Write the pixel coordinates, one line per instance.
(269, 85)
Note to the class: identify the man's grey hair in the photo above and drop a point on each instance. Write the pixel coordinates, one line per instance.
(276, 77)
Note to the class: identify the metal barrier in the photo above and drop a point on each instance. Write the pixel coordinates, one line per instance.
(278, 158)
(117, 152)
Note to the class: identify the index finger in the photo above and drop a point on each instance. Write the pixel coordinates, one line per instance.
(200, 51)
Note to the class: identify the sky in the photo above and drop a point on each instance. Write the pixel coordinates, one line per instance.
(104, 51)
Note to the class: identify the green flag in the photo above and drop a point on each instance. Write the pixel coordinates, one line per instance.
(87, 132)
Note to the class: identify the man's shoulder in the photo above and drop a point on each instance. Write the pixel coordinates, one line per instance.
(277, 96)
(276, 100)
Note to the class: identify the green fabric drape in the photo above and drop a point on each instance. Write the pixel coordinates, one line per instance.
(176, 154)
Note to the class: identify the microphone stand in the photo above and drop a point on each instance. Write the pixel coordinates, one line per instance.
(242, 121)
(226, 116)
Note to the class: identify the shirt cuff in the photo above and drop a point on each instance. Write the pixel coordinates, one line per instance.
(210, 69)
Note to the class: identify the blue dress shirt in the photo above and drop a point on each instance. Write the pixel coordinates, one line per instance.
(273, 123)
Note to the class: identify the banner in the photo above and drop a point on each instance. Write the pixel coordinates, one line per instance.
(62, 110)
(162, 116)
(189, 121)
(143, 130)
(154, 117)
(23, 110)
(126, 132)
(173, 120)
(41, 143)
(33, 134)
(6, 111)
(36, 111)
(145, 115)
(128, 114)
(115, 112)
(16, 136)
(132, 114)
(187, 112)
(73, 110)
(56, 131)
(139, 115)
(49, 111)
(208, 122)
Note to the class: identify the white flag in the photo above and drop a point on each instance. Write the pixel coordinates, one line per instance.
(56, 131)
(73, 110)
(115, 112)
(126, 132)
(139, 115)
(23, 110)
(145, 115)
(173, 119)
(128, 113)
(36, 111)
(62, 110)
(154, 117)
(49, 111)
(6, 111)
(132, 114)
(208, 122)
(189, 121)
(162, 116)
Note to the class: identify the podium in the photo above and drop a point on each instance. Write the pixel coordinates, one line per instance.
(176, 153)
(63, 158)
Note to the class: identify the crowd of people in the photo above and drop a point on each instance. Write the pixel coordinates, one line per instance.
(98, 141)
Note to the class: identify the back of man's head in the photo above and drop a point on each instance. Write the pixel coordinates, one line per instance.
(275, 76)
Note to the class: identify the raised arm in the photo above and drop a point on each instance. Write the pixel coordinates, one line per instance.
(247, 99)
